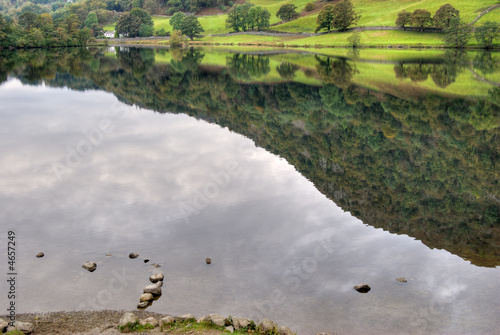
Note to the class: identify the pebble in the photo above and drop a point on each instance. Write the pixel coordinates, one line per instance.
(133, 255)
(363, 288)
(40, 255)
(90, 266)
(208, 261)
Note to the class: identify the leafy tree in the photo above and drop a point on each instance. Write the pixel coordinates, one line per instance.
(91, 20)
(146, 30)
(264, 19)
(486, 33)
(421, 18)
(191, 27)
(458, 33)
(258, 18)
(354, 40)
(238, 17)
(310, 6)
(325, 19)
(83, 36)
(26, 20)
(444, 15)
(287, 12)
(176, 19)
(177, 39)
(344, 15)
(404, 19)
(128, 25)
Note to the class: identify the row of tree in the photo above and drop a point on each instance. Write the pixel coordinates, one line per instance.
(341, 16)
(423, 18)
(247, 16)
(32, 30)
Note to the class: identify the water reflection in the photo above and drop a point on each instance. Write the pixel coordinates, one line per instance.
(177, 190)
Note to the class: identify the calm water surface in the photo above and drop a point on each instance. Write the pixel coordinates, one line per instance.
(87, 177)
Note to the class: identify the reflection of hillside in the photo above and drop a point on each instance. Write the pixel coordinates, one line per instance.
(427, 168)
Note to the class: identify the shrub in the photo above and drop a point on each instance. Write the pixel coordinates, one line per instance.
(310, 6)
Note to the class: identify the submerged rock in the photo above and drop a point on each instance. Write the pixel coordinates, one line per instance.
(363, 288)
(154, 289)
(150, 321)
(146, 297)
(146, 260)
(208, 261)
(90, 266)
(143, 305)
(402, 280)
(25, 327)
(40, 255)
(128, 318)
(133, 255)
(156, 278)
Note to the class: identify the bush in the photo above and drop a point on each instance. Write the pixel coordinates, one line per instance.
(223, 8)
(310, 6)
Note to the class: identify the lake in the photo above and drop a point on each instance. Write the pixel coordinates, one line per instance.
(299, 174)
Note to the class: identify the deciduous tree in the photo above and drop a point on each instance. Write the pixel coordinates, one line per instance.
(325, 19)
(444, 15)
(486, 33)
(191, 27)
(344, 15)
(458, 33)
(176, 19)
(404, 19)
(287, 12)
(421, 18)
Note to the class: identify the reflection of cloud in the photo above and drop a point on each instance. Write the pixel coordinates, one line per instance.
(267, 221)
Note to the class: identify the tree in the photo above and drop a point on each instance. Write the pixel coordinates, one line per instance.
(344, 15)
(264, 19)
(258, 18)
(404, 19)
(128, 25)
(176, 19)
(191, 27)
(91, 20)
(444, 15)
(26, 20)
(325, 19)
(83, 36)
(421, 18)
(177, 39)
(287, 12)
(354, 40)
(486, 33)
(238, 17)
(310, 6)
(457, 34)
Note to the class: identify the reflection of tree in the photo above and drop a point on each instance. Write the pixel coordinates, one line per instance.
(185, 60)
(135, 60)
(287, 70)
(396, 164)
(337, 71)
(247, 67)
(485, 63)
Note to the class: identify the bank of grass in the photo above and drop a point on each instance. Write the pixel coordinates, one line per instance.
(368, 38)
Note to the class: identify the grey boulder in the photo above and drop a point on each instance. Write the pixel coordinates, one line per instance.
(25, 327)
(128, 318)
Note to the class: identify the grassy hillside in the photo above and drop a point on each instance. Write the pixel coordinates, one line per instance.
(373, 13)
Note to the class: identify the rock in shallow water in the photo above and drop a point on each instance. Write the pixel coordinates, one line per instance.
(402, 280)
(143, 305)
(154, 289)
(363, 288)
(146, 297)
(90, 266)
(156, 278)
(133, 255)
(208, 261)
(40, 255)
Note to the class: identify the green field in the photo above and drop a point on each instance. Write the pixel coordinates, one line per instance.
(373, 13)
